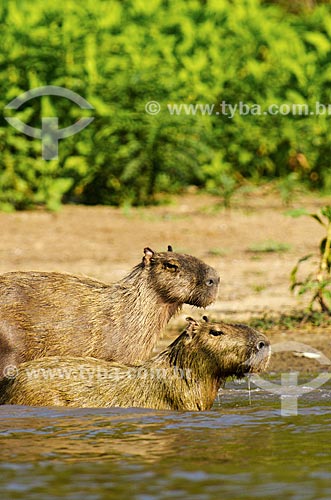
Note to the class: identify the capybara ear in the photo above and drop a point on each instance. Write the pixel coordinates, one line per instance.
(148, 254)
(191, 320)
(192, 324)
(205, 318)
(170, 248)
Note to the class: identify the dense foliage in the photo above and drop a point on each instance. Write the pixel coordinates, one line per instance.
(318, 282)
(120, 55)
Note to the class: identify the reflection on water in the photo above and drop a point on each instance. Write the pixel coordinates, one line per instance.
(236, 450)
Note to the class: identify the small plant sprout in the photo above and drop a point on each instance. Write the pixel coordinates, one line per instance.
(317, 283)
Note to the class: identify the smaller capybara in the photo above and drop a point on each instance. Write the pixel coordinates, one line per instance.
(185, 376)
(55, 314)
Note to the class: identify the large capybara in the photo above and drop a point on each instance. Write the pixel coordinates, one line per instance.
(55, 314)
(185, 376)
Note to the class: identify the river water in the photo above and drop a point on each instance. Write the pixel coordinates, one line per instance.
(244, 448)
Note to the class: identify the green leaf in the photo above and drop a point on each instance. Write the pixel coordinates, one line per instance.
(318, 218)
(326, 211)
(320, 41)
(293, 275)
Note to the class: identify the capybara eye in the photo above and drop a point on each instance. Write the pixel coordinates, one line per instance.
(210, 282)
(216, 333)
(170, 266)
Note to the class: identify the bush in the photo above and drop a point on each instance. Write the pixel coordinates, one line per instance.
(317, 283)
(121, 56)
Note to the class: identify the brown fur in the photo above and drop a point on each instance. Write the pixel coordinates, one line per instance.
(54, 314)
(185, 376)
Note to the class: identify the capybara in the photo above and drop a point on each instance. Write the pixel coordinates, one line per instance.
(56, 314)
(185, 376)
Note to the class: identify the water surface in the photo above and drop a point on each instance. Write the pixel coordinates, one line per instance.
(240, 449)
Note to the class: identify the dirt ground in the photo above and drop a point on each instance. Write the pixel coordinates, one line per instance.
(105, 243)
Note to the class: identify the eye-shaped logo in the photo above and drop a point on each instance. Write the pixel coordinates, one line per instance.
(50, 134)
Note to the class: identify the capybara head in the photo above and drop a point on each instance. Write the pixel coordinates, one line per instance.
(181, 278)
(223, 349)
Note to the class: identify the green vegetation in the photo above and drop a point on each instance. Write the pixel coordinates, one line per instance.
(120, 55)
(269, 246)
(259, 288)
(317, 283)
(290, 321)
(217, 252)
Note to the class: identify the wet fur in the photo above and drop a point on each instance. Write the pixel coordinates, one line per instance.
(185, 376)
(56, 314)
